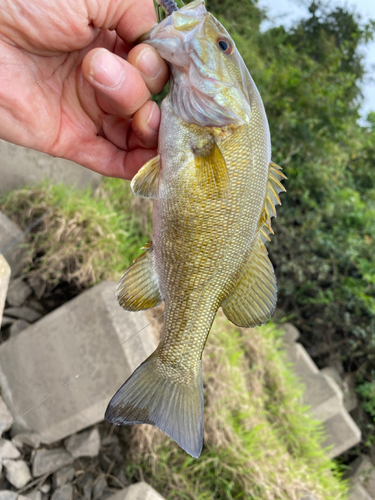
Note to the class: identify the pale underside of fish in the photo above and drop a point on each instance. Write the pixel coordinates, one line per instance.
(215, 190)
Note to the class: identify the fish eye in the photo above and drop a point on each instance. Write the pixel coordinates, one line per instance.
(225, 45)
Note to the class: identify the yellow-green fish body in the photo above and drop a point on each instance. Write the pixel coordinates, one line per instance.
(215, 189)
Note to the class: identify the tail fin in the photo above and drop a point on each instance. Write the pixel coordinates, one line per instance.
(149, 397)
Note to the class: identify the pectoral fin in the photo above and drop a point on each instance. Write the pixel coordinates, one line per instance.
(146, 182)
(253, 300)
(138, 288)
(212, 172)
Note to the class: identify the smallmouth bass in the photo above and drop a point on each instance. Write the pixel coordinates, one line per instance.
(215, 190)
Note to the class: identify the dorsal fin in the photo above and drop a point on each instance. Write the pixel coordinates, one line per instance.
(138, 288)
(146, 182)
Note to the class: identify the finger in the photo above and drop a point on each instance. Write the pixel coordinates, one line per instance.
(130, 18)
(153, 68)
(145, 127)
(141, 132)
(119, 86)
(102, 156)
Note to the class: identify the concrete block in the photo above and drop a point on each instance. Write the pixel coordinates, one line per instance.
(4, 281)
(22, 167)
(342, 433)
(11, 243)
(362, 472)
(291, 333)
(320, 394)
(301, 361)
(357, 492)
(138, 491)
(58, 375)
(347, 387)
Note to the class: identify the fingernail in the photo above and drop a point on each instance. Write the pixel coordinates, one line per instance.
(148, 63)
(106, 69)
(153, 119)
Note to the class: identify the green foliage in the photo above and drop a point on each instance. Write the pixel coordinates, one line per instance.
(367, 392)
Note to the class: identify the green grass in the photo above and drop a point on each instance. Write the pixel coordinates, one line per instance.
(259, 442)
(82, 239)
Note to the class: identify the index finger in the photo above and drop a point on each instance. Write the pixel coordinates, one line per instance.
(130, 18)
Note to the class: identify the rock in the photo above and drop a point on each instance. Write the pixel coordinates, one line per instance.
(18, 326)
(23, 312)
(8, 450)
(86, 485)
(46, 487)
(4, 280)
(72, 361)
(63, 476)
(48, 461)
(30, 439)
(8, 495)
(6, 418)
(34, 495)
(357, 492)
(12, 240)
(22, 167)
(17, 472)
(291, 334)
(342, 433)
(85, 444)
(100, 485)
(347, 387)
(18, 292)
(362, 472)
(138, 491)
(6, 321)
(325, 399)
(302, 363)
(63, 493)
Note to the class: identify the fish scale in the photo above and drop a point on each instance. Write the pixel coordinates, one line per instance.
(214, 189)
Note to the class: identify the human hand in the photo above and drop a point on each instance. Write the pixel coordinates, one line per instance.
(66, 88)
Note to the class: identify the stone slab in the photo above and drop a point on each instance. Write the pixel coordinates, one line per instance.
(138, 491)
(22, 167)
(357, 492)
(4, 281)
(321, 395)
(300, 359)
(291, 333)
(342, 433)
(346, 385)
(58, 375)
(12, 240)
(362, 472)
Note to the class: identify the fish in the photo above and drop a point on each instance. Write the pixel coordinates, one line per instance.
(214, 190)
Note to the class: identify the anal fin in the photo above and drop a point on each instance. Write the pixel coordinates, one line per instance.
(138, 288)
(253, 300)
(146, 182)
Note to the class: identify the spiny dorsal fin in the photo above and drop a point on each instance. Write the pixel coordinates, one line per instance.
(213, 173)
(274, 187)
(253, 300)
(146, 181)
(138, 288)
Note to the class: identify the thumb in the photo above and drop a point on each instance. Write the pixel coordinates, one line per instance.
(129, 18)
